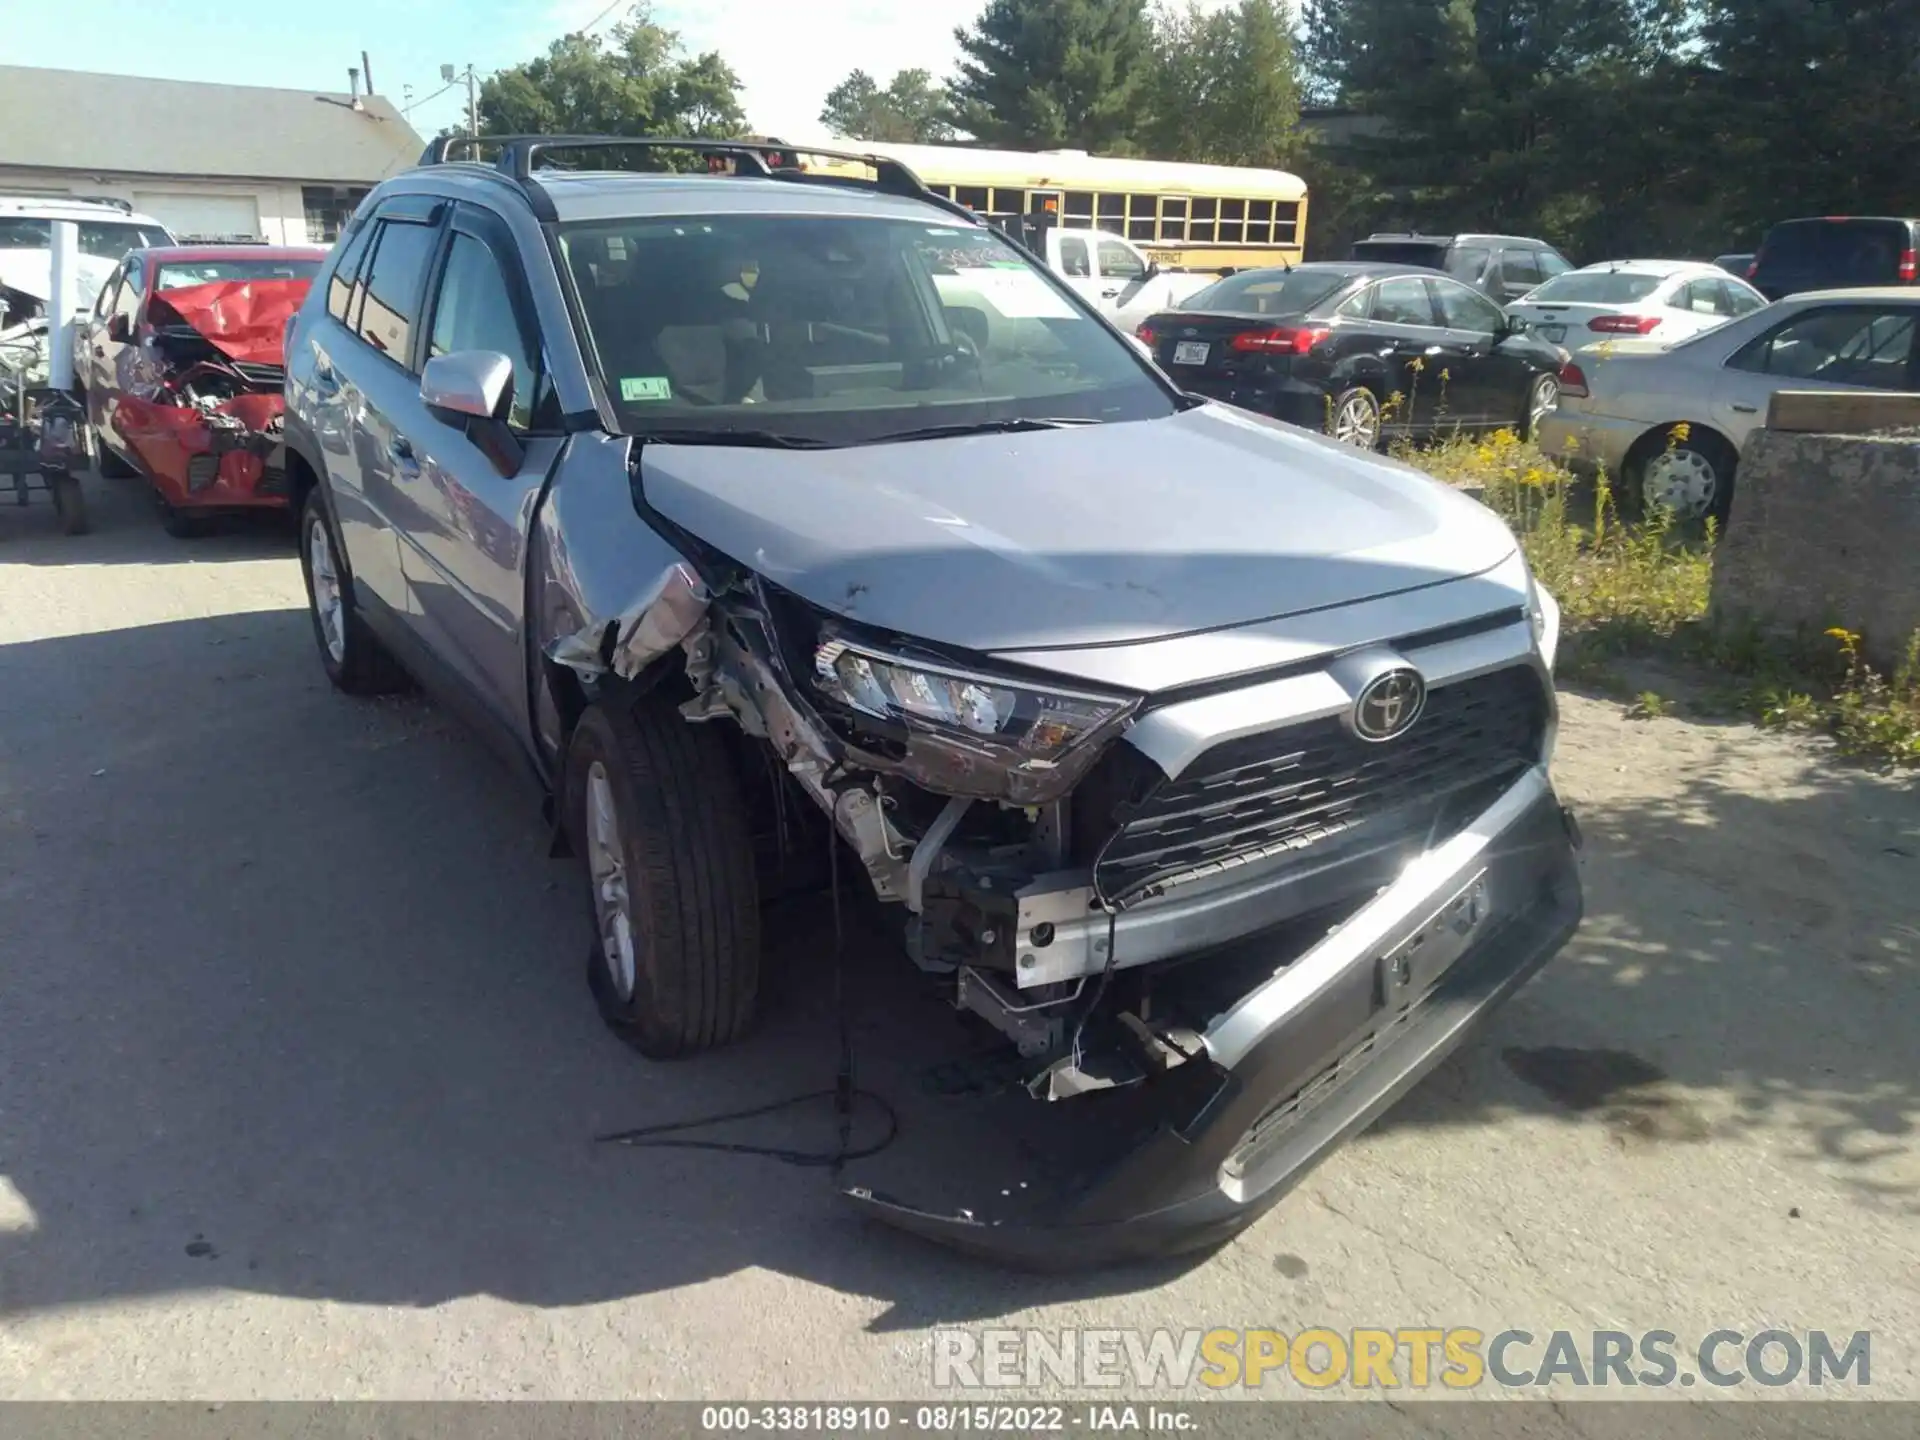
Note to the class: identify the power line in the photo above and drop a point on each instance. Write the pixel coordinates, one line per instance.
(601, 16)
(415, 105)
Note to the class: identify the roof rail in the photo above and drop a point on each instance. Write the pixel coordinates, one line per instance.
(519, 157)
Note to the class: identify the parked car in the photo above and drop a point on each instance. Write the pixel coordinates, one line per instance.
(1111, 273)
(1657, 299)
(1840, 252)
(180, 366)
(1503, 267)
(1670, 420)
(1087, 675)
(1739, 263)
(1362, 352)
(108, 228)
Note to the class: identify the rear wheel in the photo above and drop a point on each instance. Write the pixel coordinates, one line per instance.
(353, 657)
(1355, 419)
(1691, 478)
(70, 504)
(655, 812)
(1542, 396)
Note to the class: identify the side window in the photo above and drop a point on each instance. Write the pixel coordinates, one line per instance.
(1519, 267)
(1704, 297)
(1551, 264)
(340, 284)
(1120, 263)
(109, 292)
(1842, 345)
(1358, 305)
(401, 254)
(474, 311)
(132, 291)
(1464, 309)
(1469, 262)
(1742, 299)
(1402, 302)
(1074, 260)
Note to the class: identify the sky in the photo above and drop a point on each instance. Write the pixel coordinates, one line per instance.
(789, 53)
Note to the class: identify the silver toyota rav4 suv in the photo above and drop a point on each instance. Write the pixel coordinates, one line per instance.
(1203, 760)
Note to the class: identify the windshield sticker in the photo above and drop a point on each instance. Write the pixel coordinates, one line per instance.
(645, 387)
(1016, 294)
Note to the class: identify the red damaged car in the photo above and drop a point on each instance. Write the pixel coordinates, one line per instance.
(181, 365)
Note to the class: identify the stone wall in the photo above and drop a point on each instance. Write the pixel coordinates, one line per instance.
(1825, 531)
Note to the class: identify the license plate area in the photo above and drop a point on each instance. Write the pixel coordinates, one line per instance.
(1553, 334)
(1191, 352)
(1416, 964)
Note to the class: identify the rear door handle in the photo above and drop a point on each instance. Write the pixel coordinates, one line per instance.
(1109, 294)
(1746, 409)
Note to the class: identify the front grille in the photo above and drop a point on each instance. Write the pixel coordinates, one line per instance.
(1298, 788)
(270, 376)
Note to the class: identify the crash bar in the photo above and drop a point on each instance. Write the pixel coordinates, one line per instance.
(519, 156)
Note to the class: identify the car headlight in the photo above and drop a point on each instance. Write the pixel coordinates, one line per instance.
(1543, 612)
(969, 732)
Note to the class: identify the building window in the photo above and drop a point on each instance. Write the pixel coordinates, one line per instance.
(328, 208)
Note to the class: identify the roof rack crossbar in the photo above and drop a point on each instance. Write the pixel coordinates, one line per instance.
(518, 157)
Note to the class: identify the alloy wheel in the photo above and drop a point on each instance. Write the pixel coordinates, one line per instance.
(328, 604)
(607, 868)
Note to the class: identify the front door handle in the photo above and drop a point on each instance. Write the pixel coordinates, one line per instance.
(1109, 294)
(1746, 409)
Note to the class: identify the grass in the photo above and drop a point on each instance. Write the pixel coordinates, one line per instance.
(1640, 592)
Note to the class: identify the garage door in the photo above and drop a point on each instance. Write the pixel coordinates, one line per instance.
(201, 217)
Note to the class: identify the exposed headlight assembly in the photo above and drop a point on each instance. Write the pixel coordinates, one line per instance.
(969, 732)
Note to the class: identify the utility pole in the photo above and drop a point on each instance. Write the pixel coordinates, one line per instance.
(473, 105)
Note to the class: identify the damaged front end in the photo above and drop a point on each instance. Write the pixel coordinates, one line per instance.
(1212, 931)
(198, 399)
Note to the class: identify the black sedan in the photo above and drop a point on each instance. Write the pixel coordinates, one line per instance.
(1362, 352)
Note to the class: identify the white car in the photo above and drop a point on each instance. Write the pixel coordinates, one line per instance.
(1646, 299)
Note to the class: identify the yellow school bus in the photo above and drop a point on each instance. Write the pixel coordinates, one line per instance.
(1186, 217)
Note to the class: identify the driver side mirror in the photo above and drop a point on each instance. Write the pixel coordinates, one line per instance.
(119, 329)
(1515, 325)
(472, 390)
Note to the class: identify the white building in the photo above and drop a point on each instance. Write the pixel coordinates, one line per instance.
(207, 161)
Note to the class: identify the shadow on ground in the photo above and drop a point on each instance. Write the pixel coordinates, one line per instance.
(125, 530)
(294, 1004)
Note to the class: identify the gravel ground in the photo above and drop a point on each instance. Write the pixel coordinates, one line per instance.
(298, 1069)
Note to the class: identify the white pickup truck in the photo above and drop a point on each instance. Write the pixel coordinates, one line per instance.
(1114, 275)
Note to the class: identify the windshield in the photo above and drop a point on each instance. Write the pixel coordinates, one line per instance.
(839, 330)
(1853, 252)
(1597, 287)
(107, 239)
(178, 275)
(1269, 292)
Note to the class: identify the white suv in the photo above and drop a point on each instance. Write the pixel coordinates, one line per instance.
(108, 229)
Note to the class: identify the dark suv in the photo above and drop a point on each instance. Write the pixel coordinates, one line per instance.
(1502, 267)
(1838, 252)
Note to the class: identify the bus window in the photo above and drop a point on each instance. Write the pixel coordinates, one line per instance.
(1079, 205)
(1173, 217)
(1200, 228)
(1113, 212)
(1233, 218)
(1259, 222)
(1286, 223)
(1142, 213)
(974, 197)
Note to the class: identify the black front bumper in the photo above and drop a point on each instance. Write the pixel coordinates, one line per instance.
(1228, 1140)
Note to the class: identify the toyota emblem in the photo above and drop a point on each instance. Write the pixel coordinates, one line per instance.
(1389, 705)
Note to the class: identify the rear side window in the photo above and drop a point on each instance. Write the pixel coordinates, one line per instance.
(1402, 302)
(1519, 267)
(401, 253)
(341, 285)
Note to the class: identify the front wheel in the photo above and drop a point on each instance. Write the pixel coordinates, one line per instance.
(654, 810)
(1355, 419)
(70, 504)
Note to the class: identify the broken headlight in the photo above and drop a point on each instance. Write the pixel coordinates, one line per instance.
(968, 732)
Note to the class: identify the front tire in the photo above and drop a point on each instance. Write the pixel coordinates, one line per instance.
(1692, 479)
(353, 657)
(70, 504)
(655, 813)
(1542, 397)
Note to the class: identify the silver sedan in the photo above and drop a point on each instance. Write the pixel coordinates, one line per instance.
(1668, 422)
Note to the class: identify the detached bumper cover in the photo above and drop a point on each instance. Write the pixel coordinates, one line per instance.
(1304, 1060)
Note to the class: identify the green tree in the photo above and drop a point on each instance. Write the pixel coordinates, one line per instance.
(637, 81)
(910, 110)
(1052, 74)
(1226, 87)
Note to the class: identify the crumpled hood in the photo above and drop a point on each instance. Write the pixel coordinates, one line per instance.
(244, 320)
(1092, 536)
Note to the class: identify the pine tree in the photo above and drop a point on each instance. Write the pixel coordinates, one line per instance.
(1053, 74)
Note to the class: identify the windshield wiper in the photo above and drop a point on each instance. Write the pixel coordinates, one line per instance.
(731, 435)
(1014, 426)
